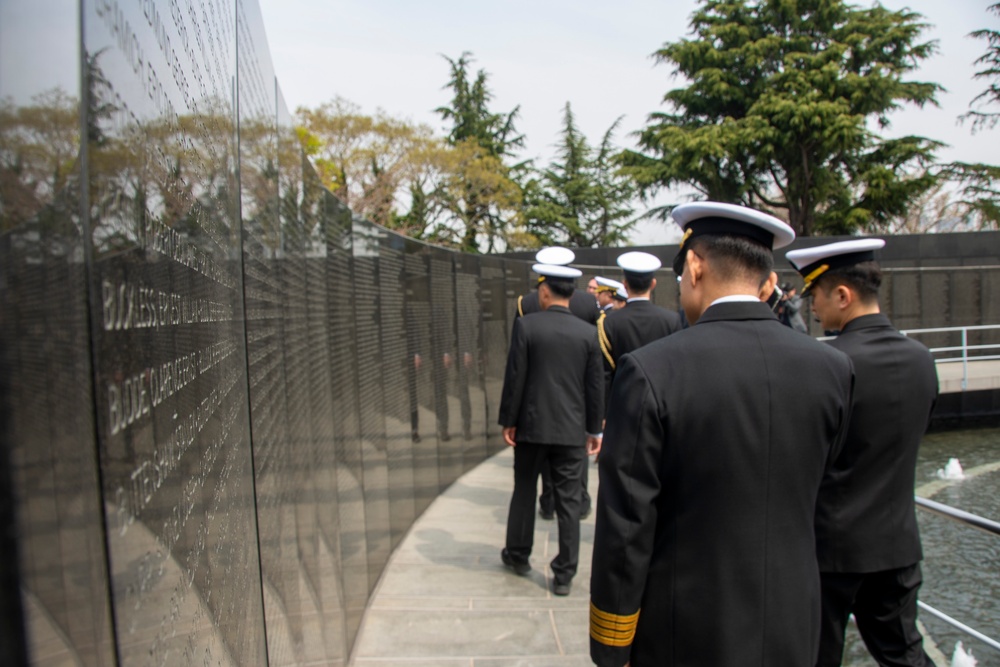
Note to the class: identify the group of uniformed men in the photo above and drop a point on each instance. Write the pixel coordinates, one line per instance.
(756, 485)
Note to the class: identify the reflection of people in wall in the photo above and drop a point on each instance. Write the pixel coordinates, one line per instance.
(466, 375)
(444, 362)
(411, 384)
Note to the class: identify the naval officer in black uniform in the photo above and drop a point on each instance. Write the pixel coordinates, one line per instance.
(640, 321)
(550, 411)
(716, 441)
(606, 291)
(581, 303)
(867, 539)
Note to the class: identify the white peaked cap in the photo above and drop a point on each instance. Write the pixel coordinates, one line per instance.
(709, 217)
(608, 283)
(556, 255)
(813, 262)
(803, 257)
(639, 262)
(557, 271)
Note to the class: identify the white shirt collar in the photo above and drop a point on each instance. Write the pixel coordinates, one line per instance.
(638, 298)
(734, 298)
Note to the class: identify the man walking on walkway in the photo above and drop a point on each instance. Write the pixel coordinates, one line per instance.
(550, 411)
(640, 321)
(716, 442)
(867, 539)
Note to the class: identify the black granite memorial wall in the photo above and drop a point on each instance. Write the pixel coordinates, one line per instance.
(223, 399)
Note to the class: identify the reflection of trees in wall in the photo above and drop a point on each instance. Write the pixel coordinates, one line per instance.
(39, 163)
(176, 172)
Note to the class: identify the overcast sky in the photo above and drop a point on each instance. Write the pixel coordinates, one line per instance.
(541, 54)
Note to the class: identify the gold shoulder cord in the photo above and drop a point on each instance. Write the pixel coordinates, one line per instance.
(520, 311)
(602, 338)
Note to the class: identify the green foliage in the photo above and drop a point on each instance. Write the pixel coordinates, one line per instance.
(978, 193)
(366, 161)
(779, 110)
(470, 116)
(982, 118)
(480, 195)
(582, 199)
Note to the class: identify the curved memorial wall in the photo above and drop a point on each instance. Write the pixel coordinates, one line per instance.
(223, 399)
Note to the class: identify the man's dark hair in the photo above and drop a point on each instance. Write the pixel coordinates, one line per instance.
(864, 279)
(561, 288)
(735, 257)
(638, 283)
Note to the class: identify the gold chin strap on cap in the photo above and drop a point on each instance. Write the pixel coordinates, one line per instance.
(814, 274)
(602, 338)
(612, 629)
(687, 235)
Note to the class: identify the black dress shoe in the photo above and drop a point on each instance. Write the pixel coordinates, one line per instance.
(520, 567)
(562, 588)
(585, 513)
(548, 516)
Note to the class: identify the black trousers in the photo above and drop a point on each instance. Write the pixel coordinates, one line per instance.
(565, 465)
(884, 605)
(546, 502)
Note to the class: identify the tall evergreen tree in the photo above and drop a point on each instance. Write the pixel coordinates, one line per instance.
(984, 117)
(482, 197)
(470, 115)
(979, 194)
(581, 199)
(780, 111)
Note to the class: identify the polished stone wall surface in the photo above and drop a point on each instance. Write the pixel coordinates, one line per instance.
(223, 399)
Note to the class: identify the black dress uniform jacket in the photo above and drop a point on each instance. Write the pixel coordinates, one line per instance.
(553, 390)
(715, 446)
(865, 519)
(582, 304)
(629, 328)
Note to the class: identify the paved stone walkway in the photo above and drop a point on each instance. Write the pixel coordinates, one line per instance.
(446, 600)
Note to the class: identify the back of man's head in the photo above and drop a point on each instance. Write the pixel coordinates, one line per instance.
(561, 289)
(735, 259)
(864, 279)
(638, 283)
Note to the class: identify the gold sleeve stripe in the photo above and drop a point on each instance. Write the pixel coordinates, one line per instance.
(616, 619)
(520, 310)
(602, 338)
(607, 641)
(612, 629)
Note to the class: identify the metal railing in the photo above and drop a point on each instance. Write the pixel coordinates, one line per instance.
(963, 349)
(978, 522)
